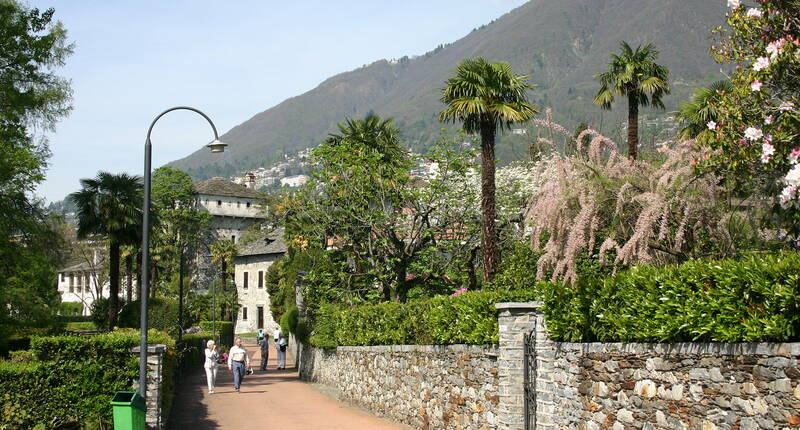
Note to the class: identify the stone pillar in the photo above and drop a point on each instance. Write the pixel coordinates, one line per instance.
(515, 320)
(155, 374)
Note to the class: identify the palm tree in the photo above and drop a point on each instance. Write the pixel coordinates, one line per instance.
(373, 132)
(111, 206)
(702, 109)
(486, 97)
(634, 74)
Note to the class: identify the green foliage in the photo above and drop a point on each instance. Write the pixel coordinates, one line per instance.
(290, 319)
(162, 314)
(70, 308)
(190, 350)
(80, 326)
(518, 269)
(224, 331)
(74, 378)
(99, 312)
(469, 318)
(751, 299)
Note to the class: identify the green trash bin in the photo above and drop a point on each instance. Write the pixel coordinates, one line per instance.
(129, 409)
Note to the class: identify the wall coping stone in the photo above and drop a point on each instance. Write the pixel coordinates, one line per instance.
(151, 349)
(486, 349)
(716, 348)
(519, 305)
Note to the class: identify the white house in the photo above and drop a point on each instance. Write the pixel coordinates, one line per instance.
(294, 181)
(250, 276)
(234, 206)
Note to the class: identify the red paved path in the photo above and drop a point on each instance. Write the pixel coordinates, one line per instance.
(275, 399)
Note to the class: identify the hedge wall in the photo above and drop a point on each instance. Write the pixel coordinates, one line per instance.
(469, 318)
(224, 328)
(71, 379)
(752, 299)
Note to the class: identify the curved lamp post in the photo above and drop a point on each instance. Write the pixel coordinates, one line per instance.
(214, 146)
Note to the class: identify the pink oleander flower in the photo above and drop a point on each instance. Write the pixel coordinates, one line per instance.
(711, 125)
(794, 155)
(756, 85)
(459, 292)
(786, 106)
(752, 133)
(753, 13)
(761, 64)
(768, 120)
(767, 150)
(775, 48)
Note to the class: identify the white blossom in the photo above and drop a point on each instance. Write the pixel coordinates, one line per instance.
(786, 106)
(756, 85)
(793, 177)
(753, 133)
(753, 13)
(768, 120)
(733, 3)
(711, 125)
(767, 151)
(775, 48)
(788, 196)
(761, 64)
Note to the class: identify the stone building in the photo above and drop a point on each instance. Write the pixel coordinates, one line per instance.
(251, 276)
(234, 206)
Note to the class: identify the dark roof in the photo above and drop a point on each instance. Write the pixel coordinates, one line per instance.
(79, 267)
(224, 187)
(270, 243)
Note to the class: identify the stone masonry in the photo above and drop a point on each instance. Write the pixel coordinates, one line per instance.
(425, 387)
(155, 364)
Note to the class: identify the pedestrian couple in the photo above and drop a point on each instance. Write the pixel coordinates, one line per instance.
(280, 346)
(238, 362)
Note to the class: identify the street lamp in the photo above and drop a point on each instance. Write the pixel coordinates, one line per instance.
(215, 146)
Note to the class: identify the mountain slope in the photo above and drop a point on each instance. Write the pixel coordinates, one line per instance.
(560, 45)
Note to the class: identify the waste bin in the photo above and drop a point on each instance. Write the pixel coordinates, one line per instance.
(129, 409)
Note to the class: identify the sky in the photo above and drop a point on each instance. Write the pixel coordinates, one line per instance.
(232, 60)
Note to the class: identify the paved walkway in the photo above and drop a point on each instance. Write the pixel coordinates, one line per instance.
(272, 399)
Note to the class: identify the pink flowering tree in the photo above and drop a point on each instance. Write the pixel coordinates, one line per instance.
(757, 135)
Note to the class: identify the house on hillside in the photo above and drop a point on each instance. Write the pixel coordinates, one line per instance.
(234, 206)
(250, 276)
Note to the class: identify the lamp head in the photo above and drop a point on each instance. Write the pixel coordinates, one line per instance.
(217, 146)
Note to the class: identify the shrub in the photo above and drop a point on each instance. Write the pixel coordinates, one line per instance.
(70, 308)
(73, 378)
(469, 318)
(80, 326)
(162, 314)
(99, 312)
(755, 298)
(224, 329)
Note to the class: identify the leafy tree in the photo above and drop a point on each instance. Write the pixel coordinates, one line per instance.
(486, 97)
(32, 98)
(701, 114)
(374, 133)
(111, 206)
(223, 254)
(181, 229)
(757, 137)
(635, 74)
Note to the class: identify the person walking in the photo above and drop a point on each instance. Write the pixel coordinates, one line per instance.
(237, 362)
(280, 346)
(211, 365)
(264, 344)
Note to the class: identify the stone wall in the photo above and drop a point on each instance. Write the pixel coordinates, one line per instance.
(155, 377)
(425, 387)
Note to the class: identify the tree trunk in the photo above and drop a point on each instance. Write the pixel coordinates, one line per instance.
(129, 276)
(633, 123)
(488, 207)
(113, 275)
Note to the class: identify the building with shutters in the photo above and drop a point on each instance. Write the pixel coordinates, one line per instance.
(250, 276)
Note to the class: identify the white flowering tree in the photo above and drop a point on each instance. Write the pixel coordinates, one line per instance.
(757, 134)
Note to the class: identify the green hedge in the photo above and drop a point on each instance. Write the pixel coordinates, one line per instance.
(74, 318)
(191, 348)
(755, 298)
(162, 314)
(224, 329)
(469, 318)
(70, 308)
(74, 378)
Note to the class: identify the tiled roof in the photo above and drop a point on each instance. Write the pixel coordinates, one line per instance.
(271, 243)
(224, 187)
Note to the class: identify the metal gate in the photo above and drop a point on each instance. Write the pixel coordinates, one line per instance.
(529, 359)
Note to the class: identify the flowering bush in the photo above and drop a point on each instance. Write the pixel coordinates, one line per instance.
(634, 211)
(757, 135)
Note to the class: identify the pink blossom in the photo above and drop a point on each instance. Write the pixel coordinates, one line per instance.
(756, 85)
(794, 155)
(786, 106)
(788, 196)
(761, 64)
(711, 125)
(742, 141)
(752, 133)
(767, 150)
(753, 13)
(458, 292)
(775, 48)
(768, 120)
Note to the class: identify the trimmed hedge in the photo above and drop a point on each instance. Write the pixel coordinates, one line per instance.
(74, 378)
(191, 349)
(753, 299)
(224, 328)
(162, 314)
(70, 308)
(469, 318)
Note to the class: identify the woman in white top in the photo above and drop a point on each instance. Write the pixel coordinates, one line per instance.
(280, 345)
(212, 355)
